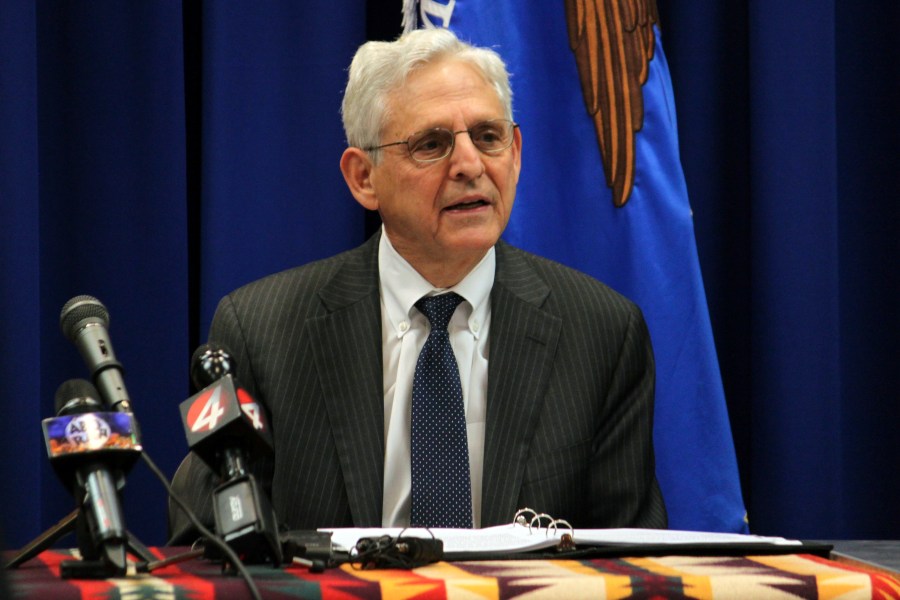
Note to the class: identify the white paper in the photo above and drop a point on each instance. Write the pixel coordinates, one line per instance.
(519, 538)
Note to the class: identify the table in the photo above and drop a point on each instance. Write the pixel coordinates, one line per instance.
(878, 555)
(773, 576)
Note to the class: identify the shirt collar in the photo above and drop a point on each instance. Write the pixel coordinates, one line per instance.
(402, 286)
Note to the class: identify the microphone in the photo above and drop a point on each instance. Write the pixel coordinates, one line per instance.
(90, 450)
(222, 422)
(225, 426)
(84, 320)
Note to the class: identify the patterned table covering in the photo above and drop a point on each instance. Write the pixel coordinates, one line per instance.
(780, 576)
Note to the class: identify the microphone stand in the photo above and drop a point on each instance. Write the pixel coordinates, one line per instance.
(109, 563)
(44, 541)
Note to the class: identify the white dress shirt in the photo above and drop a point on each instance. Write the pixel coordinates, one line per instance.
(404, 331)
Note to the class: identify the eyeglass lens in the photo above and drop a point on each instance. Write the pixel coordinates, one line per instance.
(434, 144)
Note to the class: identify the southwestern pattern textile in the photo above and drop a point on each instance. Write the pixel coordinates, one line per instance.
(784, 576)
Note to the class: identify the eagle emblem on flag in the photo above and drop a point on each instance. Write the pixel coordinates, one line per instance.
(613, 44)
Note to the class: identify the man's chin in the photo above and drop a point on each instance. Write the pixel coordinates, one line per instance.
(470, 252)
(473, 239)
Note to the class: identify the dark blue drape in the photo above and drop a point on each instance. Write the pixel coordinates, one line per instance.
(154, 156)
(272, 195)
(157, 155)
(93, 202)
(20, 358)
(788, 124)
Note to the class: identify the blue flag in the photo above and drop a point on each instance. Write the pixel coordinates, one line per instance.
(602, 190)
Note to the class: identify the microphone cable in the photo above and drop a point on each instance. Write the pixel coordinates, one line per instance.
(206, 533)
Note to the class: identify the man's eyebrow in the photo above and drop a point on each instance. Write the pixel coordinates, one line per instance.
(470, 125)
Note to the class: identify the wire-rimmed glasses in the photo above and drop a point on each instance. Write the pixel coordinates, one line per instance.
(491, 137)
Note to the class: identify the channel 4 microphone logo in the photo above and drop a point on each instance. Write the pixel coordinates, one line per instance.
(212, 408)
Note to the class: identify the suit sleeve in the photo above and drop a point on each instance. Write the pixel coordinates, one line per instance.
(623, 470)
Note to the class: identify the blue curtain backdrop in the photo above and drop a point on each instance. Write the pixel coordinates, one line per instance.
(156, 155)
(789, 132)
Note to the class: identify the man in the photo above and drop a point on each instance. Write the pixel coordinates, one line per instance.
(555, 370)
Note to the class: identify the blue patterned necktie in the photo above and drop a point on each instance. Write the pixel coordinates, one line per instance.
(441, 492)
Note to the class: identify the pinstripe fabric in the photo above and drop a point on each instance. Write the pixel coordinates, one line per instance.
(570, 395)
(570, 400)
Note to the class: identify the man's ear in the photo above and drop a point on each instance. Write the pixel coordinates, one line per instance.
(517, 151)
(356, 165)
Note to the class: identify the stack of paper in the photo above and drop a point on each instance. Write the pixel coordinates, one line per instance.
(521, 538)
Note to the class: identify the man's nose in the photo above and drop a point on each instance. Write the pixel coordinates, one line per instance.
(465, 158)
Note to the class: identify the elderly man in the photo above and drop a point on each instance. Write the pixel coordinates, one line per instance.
(435, 375)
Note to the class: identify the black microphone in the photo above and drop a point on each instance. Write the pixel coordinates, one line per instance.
(223, 423)
(225, 427)
(91, 450)
(85, 320)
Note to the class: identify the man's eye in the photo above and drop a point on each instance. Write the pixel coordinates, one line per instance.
(487, 136)
(429, 144)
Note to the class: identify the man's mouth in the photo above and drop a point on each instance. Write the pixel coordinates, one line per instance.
(467, 205)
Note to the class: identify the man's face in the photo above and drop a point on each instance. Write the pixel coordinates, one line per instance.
(455, 209)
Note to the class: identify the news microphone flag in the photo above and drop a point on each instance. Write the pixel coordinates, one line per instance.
(222, 414)
(636, 237)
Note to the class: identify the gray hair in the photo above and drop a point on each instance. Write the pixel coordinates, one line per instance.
(378, 68)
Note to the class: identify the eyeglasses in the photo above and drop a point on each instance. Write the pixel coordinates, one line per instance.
(432, 145)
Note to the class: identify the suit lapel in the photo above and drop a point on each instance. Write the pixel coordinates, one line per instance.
(347, 347)
(523, 343)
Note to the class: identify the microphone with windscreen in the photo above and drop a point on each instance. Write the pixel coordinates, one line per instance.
(225, 427)
(91, 449)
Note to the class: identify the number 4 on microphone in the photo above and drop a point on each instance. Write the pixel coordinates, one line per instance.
(220, 411)
(206, 411)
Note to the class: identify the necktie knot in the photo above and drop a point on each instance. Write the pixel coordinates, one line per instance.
(439, 309)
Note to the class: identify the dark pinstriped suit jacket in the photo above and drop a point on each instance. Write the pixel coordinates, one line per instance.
(569, 407)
